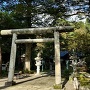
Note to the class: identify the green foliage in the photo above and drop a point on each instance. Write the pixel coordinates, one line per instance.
(50, 48)
(26, 11)
(6, 42)
(87, 24)
(66, 73)
(28, 72)
(79, 25)
(4, 73)
(62, 22)
(79, 39)
(57, 86)
(87, 60)
(32, 72)
(83, 80)
(6, 21)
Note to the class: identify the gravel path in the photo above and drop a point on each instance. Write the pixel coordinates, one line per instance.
(69, 85)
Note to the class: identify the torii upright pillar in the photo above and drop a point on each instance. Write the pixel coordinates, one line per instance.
(12, 62)
(57, 59)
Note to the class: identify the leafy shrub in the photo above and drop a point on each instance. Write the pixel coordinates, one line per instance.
(87, 60)
(83, 80)
(57, 86)
(28, 72)
(66, 73)
(4, 73)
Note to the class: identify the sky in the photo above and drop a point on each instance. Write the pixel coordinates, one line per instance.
(73, 10)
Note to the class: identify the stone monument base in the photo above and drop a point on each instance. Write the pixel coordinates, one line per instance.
(10, 83)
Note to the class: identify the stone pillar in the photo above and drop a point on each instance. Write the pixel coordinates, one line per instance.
(27, 57)
(12, 62)
(57, 59)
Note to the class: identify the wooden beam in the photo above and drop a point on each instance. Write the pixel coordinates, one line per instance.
(37, 30)
(34, 40)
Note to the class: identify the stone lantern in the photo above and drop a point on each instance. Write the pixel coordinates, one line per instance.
(74, 62)
(38, 62)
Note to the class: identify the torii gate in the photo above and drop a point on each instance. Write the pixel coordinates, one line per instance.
(54, 30)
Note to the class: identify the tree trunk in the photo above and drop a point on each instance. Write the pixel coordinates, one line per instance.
(27, 57)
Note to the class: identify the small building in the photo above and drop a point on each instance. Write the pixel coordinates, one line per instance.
(64, 55)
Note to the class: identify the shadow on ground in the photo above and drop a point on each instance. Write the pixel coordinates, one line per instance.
(64, 83)
(20, 82)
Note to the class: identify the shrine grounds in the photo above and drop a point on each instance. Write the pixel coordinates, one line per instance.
(34, 82)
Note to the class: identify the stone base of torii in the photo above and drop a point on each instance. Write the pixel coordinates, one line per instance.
(54, 30)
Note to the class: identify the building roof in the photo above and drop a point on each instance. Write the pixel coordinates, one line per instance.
(63, 53)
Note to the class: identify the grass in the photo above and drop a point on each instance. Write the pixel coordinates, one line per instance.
(57, 86)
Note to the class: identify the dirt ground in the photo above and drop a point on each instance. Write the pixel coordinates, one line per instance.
(45, 82)
(34, 82)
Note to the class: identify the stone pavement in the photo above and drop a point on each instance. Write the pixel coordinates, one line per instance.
(69, 85)
(34, 82)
